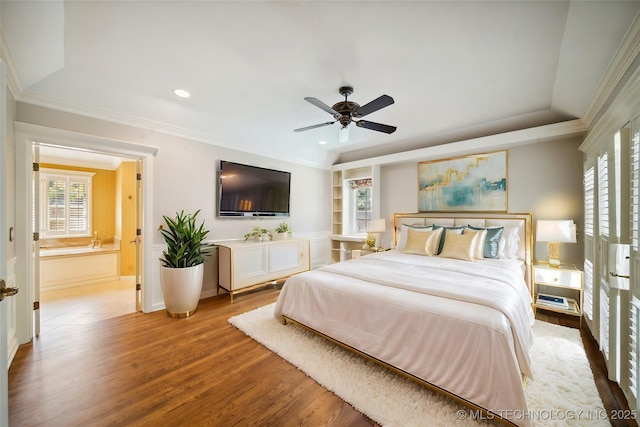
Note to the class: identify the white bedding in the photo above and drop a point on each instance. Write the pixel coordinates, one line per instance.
(462, 326)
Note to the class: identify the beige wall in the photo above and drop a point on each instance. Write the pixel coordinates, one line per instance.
(543, 178)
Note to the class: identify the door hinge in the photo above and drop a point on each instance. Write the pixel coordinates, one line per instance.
(36, 305)
(36, 236)
(36, 167)
(138, 286)
(138, 177)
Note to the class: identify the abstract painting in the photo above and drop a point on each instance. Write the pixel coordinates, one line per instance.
(470, 183)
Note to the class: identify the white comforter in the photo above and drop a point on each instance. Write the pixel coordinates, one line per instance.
(462, 326)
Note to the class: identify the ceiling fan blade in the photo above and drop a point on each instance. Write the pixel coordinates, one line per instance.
(375, 105)
(376, 126)
(323, 106)
(313, 127)
(343, 134)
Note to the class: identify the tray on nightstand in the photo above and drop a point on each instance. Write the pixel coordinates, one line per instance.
(572, 308)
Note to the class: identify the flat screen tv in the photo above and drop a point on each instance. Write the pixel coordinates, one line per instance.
(250, 191)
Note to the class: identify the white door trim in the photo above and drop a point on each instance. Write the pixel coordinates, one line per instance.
(26, 136)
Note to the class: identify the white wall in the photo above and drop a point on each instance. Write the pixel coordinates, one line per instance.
(185, 174)
(184, 177)
(543, 178)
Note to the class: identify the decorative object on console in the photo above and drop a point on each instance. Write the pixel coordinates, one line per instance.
(555, 232)
(182, 269)
(258, 234)
(282, 231)
(469, 183)
(376, 226)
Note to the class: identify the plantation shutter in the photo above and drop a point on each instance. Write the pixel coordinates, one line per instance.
(603, 196)
(66, 207)
(589, 212)
(634, 217)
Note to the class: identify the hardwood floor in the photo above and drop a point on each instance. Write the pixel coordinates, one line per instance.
(150, 369)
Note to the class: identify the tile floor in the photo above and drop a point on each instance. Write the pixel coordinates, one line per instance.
(65, 308)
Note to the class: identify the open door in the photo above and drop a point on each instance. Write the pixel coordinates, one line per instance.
(35, 220)
(4, 268)
(138, 240)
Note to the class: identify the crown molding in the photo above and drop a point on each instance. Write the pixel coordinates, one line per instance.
(567, 129)
(622, 60)
(13, 79)
(623, 109)
(112, 116)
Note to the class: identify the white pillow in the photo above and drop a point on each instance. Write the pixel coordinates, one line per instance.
(402, 240)
(509, 243)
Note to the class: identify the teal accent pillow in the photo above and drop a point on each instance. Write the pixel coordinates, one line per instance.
(491, 241)
(444, 234)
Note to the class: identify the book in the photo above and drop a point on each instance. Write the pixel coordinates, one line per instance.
(553, 301)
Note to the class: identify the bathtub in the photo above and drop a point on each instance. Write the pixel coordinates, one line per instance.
(67, 267)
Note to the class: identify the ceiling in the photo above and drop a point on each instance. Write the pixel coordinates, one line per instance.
(456, 69)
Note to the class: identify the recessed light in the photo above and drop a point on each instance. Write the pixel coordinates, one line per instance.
(322, 142)
(181, 93)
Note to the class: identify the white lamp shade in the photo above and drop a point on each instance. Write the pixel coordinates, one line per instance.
(561, 231)
(377, 226)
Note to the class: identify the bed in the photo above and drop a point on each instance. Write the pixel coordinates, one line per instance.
(449, 306)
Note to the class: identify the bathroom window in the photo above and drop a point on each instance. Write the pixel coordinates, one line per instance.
(65, 208)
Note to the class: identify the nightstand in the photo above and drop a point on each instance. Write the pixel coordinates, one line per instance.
(563, 281)
(362, 252)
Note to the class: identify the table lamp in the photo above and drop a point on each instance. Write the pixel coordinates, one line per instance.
(376, 226)
(555, 232)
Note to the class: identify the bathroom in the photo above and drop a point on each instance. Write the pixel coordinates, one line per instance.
(101, 259)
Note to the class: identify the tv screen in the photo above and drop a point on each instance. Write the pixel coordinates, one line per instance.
(250, 191)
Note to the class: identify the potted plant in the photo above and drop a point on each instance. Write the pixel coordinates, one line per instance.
(282, 231)
(258, 234)
(182, 264)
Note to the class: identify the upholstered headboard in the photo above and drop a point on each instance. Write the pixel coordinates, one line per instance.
(520, 221)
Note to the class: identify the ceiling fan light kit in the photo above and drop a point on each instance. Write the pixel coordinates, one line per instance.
(345, 112)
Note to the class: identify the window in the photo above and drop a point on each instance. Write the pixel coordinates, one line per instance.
(65, 209)
(603, 196)
(360, 204)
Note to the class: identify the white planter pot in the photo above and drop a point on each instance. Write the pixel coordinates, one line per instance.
(181, 288)
(280, 236)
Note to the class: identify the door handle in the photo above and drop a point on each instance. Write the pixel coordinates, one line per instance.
(621, 276)
(6, 291)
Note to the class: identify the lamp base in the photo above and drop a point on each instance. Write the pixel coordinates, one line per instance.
(553, 253)
(369, 242)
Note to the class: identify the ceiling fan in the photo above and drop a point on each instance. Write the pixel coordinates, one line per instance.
(346, 111)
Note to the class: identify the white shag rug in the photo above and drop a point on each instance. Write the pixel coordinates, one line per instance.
(563, 392)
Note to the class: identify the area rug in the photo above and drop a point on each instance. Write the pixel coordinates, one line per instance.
(563, 392)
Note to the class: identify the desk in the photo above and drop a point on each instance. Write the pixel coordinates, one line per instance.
(343, 244)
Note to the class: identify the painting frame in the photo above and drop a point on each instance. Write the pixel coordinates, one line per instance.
(473, 183)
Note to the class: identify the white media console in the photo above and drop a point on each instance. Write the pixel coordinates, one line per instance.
(245, 265)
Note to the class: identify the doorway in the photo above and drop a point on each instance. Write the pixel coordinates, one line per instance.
(87, 256)
(27, 136)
